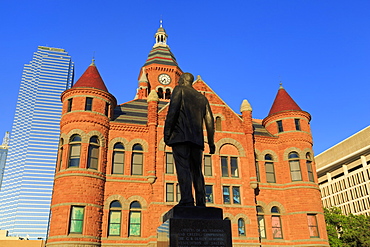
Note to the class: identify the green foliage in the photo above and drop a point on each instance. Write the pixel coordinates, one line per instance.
(343, 230)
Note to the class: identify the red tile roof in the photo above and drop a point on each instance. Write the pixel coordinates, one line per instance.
(91, 78)
(283, 102)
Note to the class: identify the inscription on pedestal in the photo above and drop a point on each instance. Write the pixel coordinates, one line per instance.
(194, 233)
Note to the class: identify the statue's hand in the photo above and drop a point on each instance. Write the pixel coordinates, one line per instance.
(212, 148)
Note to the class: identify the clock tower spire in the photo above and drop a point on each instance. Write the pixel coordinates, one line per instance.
(161, 71)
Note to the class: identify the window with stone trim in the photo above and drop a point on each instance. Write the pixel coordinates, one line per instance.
(134, 228)
(170, 192)
(297, 123)
(258, 171)
(118, 160)
(218, 125)
(261, 222)
(137, 160)
(69, 105)
(173, 192)
(88, 104)
(93, 153)
(60, 154)
(229, 198)
(106, 109)
(295, 167)
(76, 219)
(270, 169)
(74, 151)
(209, 193)
(312, 226)
(115, 213)
(207, 165)
(280, 126)
(241, 227)
(277, 230)
(170, 163)
(309, 168)
(229, 166)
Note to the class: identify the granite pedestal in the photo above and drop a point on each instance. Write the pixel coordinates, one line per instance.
(195, 226)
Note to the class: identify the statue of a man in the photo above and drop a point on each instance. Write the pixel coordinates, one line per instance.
(183, 131)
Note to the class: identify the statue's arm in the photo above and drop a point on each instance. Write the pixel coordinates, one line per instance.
(209, 122)
(173, 113)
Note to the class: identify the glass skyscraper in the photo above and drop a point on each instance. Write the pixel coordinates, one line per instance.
(30, 166)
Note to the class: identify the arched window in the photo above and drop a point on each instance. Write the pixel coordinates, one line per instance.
(309, 167)
(137, 160)
(74, 151)
(168, 94)
(93, 155)
(295, 168)
(241, 227)
(277, 231)
(269, 168)
(135, 219)
(218, 124)
(115, 219)
(261, 222)
(118, 158)
(60, 155)
(160, 93)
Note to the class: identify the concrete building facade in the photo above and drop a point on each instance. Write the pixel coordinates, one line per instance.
(115, 177)
(344, 174)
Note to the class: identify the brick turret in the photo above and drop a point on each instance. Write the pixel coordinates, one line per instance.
(80, 173)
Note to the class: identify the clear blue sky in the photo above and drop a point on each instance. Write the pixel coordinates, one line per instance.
(320, 50)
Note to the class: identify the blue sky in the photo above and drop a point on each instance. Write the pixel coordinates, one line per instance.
(319, 50)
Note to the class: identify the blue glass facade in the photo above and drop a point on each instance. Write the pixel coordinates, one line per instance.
(29, 171)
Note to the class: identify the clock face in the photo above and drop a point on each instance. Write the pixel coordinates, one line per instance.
(164, 79)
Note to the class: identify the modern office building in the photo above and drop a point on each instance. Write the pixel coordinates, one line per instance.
(115, 177)
(3, 153)
(29, 171)
(344, 174)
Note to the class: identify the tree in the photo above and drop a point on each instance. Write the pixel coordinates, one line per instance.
(343, 230)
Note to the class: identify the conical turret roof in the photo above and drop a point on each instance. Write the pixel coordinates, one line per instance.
(283, 102)
(91, 78)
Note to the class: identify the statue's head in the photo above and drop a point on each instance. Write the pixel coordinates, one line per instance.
(186, 79)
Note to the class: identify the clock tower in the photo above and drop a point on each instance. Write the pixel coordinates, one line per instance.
(160, 71)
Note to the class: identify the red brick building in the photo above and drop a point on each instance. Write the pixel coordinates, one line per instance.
(115, 177)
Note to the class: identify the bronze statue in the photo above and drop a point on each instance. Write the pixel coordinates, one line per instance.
(183, 131)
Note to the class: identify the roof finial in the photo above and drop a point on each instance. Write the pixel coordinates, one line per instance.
(93, 60)
(160, 22)
(281, 85)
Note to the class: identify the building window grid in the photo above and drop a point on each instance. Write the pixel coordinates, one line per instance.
(349, 193)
